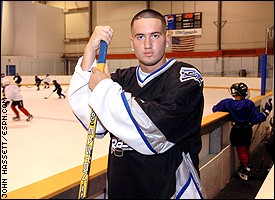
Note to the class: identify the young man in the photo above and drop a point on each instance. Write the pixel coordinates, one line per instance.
(152, 111)
(58, 90)
(13, 94)
(243, 115)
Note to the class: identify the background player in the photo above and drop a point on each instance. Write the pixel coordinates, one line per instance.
(37, 81)
(13, 94)
(58, 89)
(17, 79)
(243, 115)
(47, 81)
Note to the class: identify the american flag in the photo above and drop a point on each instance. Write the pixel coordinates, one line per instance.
(183, 43)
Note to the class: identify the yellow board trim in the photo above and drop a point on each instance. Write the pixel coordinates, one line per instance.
(58, 183)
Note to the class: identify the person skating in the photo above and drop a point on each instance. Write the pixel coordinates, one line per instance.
(58, 89)
(37, 81)
(3, 78)
(47, 81)
(243, 116)
(17, 79)
(13, 94)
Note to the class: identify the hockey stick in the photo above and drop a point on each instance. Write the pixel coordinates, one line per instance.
(48, 96)
(91, 132)
(66, 89)
(29, 86)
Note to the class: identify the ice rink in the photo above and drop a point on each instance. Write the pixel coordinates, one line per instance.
(54, 140)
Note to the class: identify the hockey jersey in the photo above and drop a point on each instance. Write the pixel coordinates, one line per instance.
(240, 111)
(13, 93)
(154, 121)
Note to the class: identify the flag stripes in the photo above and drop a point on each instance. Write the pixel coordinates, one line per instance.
(183, 43)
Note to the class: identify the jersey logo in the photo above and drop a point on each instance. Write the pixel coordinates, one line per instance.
(190, 73)
(118, 147)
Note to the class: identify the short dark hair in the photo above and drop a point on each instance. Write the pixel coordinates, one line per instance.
(149, 13)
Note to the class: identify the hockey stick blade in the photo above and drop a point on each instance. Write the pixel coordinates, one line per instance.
(91, 132)
(48, 96)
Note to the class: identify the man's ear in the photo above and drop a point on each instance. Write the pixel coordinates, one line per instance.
(132, 46)
(168, 38)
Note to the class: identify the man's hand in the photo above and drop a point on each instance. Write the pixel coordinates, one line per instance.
(100, 33)
(104, 33)
(98, 76)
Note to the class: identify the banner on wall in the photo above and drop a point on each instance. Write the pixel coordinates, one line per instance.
(185, 32)
(269, 50)
(270, 41)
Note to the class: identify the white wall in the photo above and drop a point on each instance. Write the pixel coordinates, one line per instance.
(226, 82)
(34, 38)
(37, 31)
(7, 34)
(243, 22)
(25, 28)
(246, 22)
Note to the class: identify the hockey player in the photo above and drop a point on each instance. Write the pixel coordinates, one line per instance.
(243, 115)
(13, 94)
(152, 111)
(47, 81)
(3, 78)
(17, 79)
(58, 89)
(37, 81)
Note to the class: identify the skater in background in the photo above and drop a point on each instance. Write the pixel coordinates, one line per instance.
(17, 79)
(37, 81)
(243, 116)
(47, 81)
(3, 78)
(13, 93)
(58, 89)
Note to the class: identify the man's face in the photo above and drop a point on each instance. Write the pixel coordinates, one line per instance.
(149, 42)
